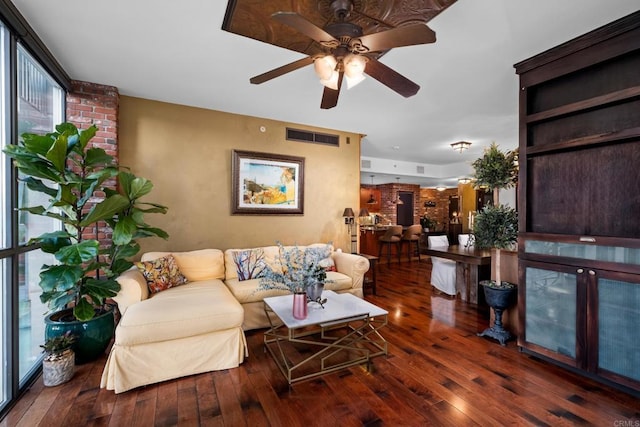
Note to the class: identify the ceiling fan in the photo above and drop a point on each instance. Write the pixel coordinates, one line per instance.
(348, 53)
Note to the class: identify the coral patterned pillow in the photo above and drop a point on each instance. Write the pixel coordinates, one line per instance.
(161, 274)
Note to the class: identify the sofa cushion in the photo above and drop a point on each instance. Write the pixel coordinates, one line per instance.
(193, 309)
(202, 264)
(161, 273)
(338, 281)
(247, 290)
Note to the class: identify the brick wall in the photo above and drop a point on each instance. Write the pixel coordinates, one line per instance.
(389, 194)
(91, 103)
(439, 212)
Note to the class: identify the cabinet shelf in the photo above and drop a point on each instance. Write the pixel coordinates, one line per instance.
(587, 141)
(587, 104)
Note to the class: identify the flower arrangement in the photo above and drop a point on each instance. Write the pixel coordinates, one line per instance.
(299, 269)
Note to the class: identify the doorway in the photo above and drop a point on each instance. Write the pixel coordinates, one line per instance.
(404, 213)
(483, 198)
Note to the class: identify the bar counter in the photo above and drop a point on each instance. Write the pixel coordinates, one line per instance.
(369, 243)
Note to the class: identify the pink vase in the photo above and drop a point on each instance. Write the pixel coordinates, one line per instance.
(300, 305)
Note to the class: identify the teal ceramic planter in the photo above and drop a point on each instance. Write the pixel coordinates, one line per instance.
(93, 336)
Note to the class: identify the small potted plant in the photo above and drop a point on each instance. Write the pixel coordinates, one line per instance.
(427, 223)
(58, 365)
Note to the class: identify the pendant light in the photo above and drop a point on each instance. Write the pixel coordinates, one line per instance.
(398, 200)
(371, 200)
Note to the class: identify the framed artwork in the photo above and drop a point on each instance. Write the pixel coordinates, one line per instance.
(266, 184)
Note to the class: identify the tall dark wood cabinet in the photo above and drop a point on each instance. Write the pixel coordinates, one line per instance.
(579, 204)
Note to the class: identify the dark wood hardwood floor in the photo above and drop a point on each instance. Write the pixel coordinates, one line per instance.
(438, 372)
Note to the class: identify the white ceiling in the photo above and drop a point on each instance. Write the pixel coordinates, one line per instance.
(175, 51)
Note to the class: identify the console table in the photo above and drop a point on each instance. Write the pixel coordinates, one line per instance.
(472, 265)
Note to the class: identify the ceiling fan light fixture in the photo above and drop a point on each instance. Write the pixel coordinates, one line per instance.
(331, 82)
(354, 66)
(325, 67)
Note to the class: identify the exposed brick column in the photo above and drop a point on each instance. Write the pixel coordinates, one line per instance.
(95, 104)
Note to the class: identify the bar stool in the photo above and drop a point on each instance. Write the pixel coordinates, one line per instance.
(412, 234)
(392, 236)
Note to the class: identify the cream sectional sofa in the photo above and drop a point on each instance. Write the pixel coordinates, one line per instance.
(199, 326)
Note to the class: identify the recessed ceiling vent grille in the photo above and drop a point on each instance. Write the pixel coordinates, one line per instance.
(365, 164)
(420, 170)
(313, 137)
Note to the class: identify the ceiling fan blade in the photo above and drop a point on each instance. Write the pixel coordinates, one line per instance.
(277, 72)
(391, 78)
(304, 26)
(330, 96)
(401, 36)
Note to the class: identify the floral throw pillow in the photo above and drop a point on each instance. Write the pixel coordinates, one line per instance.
(250, 264)
(323, 257)
(161, 274)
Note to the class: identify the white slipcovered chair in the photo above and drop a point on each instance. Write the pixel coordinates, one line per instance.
(443, 271)
(466, 240)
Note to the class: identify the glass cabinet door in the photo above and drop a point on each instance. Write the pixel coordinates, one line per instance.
(618, 331)
(551, 316)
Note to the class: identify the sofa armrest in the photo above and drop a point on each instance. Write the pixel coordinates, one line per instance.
(352, 265)
(133, 289)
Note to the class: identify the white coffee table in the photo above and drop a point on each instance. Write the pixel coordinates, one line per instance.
(344, 333)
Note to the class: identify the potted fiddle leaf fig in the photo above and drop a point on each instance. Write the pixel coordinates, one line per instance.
(496, 227)
(76, 287)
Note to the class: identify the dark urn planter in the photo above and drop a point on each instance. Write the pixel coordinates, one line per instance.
(93, 336)
(499, 299)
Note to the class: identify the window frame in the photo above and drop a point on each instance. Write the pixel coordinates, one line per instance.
(18, 33)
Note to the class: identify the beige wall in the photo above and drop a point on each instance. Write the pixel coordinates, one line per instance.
(186, 153)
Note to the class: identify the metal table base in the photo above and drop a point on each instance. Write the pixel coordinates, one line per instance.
(357, 337)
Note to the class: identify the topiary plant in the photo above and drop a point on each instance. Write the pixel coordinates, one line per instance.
(496, 226)
(496, 170)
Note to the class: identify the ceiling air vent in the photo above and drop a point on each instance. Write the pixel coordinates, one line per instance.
(420, 170)
(365, 164)
(313, 137)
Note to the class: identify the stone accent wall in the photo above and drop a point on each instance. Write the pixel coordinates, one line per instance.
(91, 103)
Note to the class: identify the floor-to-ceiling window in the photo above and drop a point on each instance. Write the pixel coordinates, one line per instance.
(32, 100)
(39, 110)
(5, 241)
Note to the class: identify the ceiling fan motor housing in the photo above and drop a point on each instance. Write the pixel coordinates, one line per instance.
(344, 29)
(341, 8)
